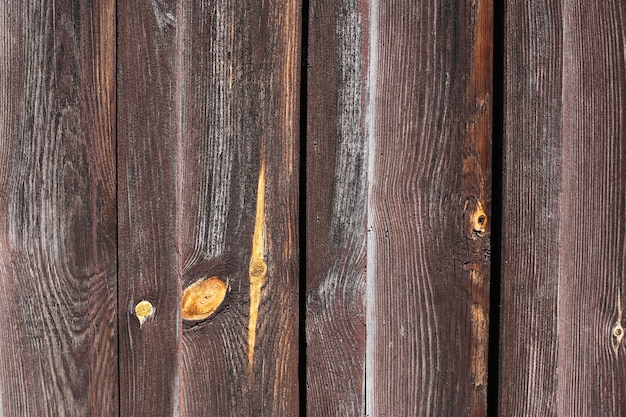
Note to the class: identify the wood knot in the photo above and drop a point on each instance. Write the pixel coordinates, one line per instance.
(143, 310)
(258, 269)
(202, 298)
(479, 222)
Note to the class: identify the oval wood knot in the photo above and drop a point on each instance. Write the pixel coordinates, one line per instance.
(202, 298)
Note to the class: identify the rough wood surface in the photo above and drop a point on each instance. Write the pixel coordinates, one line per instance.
(531, 208)
(563, 246)
(147, 164)
(238, 207)
(429, 198)
(209, 188)
(336, 209)
(58, 350)
(591, 292)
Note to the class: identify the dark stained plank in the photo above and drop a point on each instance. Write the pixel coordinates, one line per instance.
(58, 350)
(336, 208)
(208, 156)
(563, 241)
(238, 207)
(149, 272)
(531, 206)
(590, 364)
(429, 200)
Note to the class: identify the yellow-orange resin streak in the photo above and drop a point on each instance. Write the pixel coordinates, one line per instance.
(258, 267)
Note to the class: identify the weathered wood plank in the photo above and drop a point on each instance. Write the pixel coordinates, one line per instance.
(58, 350)
(148, 131)
(238, 211)
(590, 364)
(563, 242)
(429, 198)
(336, 208)
(531, 206)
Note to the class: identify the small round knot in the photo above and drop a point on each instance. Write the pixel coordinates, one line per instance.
(143, 310)
(258, 268)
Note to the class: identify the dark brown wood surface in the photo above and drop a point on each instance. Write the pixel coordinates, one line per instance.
(208, 192)
(238, 203)
(336, 208)
(531, 219)
(399, 104)
(564, 207)
(58, 349)
(429, 203)
(148, 158)
(429, 199)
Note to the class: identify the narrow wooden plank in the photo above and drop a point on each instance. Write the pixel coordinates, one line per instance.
(147, 160)
(590, 364)
(531, 219)
(429, 199)
(336, 208)
(58, 350)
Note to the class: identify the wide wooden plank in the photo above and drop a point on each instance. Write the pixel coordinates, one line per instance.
(531, 218)
(563, 233)
(238, 205)
(58, 350)
(429, 199)
(336, 225)
(149, 273)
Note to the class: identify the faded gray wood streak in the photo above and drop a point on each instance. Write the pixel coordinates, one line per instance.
(336, 211)
(147, 160)
(429, 178)
(57, 209)
(531, 208)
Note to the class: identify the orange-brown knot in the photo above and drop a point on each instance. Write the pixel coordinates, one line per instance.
(202, 298)
(479, 222)
(258, 269)
(143, 310)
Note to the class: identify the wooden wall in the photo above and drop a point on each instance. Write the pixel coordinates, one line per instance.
(312, 207)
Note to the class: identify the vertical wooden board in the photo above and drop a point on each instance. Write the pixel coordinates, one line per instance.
(147, 162)
(531, 218)
(58, 351)
(590, 365)
(238, 206)
(429, 122)
(336, 208)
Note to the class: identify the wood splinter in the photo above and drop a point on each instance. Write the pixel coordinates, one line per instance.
(202, 298)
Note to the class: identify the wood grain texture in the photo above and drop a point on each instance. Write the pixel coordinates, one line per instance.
(240, 73)
(58, 350)
(240, 66)
(564, 207)
(336, 208)
(211, 93)
(592, 240)
(531, 219)
(429, 199)
(148, 132)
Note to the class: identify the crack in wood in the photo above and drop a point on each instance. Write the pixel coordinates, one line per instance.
(258, 267)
